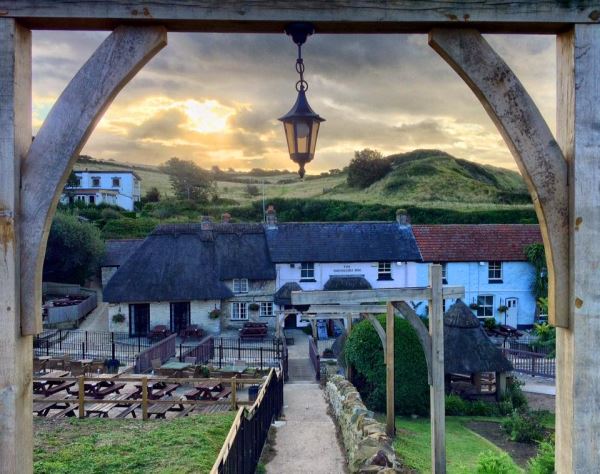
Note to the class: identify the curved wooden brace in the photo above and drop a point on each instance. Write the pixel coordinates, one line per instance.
(59, 141)
(422, 333)
(531, 143)
(380, 332)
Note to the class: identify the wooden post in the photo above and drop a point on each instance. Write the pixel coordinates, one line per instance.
(81, 395)
(389, 371)
(233, 394)
(436, 389)
(16, 446)
(577, 357)
(500, 385)
(348, 330)
(145, 398)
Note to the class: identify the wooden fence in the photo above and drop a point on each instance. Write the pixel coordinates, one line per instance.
(72, 313)
(532, 363)
(163, 350)
(313, 353)
(244, 443)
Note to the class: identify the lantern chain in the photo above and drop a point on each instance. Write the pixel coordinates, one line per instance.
(301, 85)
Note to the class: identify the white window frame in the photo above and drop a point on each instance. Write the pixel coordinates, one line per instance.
(384, 271)
(266, 309)
(307, 271)
(240, 285)
(482, 309)
(118, 180)
(94, 178)
(495, 271)
(239, 311)
(444, 273)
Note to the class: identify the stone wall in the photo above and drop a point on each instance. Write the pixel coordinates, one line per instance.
(368, 447)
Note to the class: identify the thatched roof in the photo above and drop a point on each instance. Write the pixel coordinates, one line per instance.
(118, 251)
(341, 283)
(467, 348)
(283, 296)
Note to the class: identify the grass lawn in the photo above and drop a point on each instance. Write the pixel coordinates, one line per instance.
(187, 445)
(463, 446)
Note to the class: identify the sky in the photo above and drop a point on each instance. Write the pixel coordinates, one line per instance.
(215, 98)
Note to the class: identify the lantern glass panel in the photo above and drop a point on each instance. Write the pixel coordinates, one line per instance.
(302, 136)
(313, 138)
(289, 134)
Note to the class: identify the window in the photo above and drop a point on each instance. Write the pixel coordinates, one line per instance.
(266, 309)
(116, 182)
(444, 273)
(92, 199)
(307, 272)
(384, 271)
(239, 311)
(95, 182)
(485, 306)
(494, 272)
(240, 285)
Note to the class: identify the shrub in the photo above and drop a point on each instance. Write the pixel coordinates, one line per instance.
(253, 307)
(456, 406)
(524, 427)
(215, 314)
(543, 462)
(364, 352)
(515, 395)
(367, 167)
(490, 462)
(489, 323)
(118, 318)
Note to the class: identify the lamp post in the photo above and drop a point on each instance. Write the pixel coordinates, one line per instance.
(301, 123)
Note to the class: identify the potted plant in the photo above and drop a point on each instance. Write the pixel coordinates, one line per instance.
(502, 308)
(118, 318)
(253, 307)
(474, 306)
(215, 314)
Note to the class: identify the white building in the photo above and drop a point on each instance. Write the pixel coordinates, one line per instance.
(118, 188)
(489, 261)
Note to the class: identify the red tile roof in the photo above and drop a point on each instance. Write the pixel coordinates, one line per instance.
(471, 243)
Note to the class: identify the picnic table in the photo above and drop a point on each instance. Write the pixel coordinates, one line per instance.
(50, 387)
(102, 409)
(156, 390)
(159, 410)
(204, 391)
(176, 367)
(99, 389)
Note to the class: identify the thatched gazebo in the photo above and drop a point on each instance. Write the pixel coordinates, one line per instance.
(468, 351)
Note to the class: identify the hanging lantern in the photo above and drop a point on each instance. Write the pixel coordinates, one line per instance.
(301, 123)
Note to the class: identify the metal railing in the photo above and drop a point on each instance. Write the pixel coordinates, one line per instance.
(313, 353)
(532, 363)
(90, 344)
(244, 443)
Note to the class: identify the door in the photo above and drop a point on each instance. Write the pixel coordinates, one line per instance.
(139, 319)
(180, 316)
(512, 313)
(290, 322)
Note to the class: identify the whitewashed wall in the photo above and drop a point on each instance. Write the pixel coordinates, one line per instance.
(128, 192)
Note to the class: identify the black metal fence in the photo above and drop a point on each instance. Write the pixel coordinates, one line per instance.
(246, 439)
(89, 344)
(532, 363)
(221, 352)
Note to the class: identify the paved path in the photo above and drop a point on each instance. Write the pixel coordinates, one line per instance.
(542, 385)
(306, 441)
(97, 320)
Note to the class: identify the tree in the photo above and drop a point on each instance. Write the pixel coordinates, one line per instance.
(72, 182)
(152, 195)
(367, 167)
(189, 181)
(74, 250)
(252, 190)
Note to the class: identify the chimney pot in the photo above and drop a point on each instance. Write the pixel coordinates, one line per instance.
(206, 223)
(402, 217)
(226, 218)
(271, 217)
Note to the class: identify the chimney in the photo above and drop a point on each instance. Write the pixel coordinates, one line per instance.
(402, 217)
(206, 223)
(271, 217)
(226, 218)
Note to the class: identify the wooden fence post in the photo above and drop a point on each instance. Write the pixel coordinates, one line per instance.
(145, 398)
(81, 396)
(389, 371)
(233, 393)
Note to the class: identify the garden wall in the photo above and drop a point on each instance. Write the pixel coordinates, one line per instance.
(368, 447)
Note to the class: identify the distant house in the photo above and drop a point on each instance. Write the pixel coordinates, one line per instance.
(340, 256)
(119, 188)
(117, 251)
(206, 274)
(489, 261)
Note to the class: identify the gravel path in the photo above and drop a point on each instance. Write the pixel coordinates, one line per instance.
(306, 441)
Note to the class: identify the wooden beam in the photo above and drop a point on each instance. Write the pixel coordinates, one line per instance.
(371, 296)
(344, 309)
(60, 139)
(389, 371)
(16, 424)
(422, 333)
(577, 374)
(530, 141)
(436, 389)
(341, 16)
(380, 332)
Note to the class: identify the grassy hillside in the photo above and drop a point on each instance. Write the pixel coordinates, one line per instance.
(422, 178)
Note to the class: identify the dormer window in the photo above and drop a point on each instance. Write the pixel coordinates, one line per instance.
(95, 182)
(116, 182)
(384, 271)
(240, 285)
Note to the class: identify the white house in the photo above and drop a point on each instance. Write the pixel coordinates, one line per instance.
(489, 261)
(339, 256)
(119, 188)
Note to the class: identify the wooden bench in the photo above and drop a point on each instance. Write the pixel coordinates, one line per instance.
(159, 410)
(223, 393)
(67, 412)
(101, 393)
(58, 388)
(42, 408)
(193, 394)
(187, 410)
(130, 409)
(102, 409)
(164, 392)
